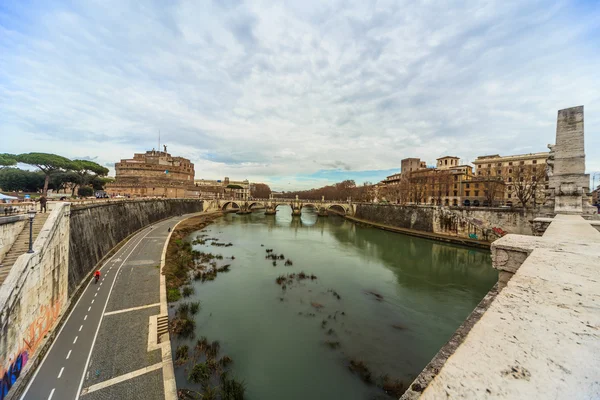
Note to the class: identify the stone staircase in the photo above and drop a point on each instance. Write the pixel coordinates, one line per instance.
(21, 245)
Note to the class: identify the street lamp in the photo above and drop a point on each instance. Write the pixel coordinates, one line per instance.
(31, 214)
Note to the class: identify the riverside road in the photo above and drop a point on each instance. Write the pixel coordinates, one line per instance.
(101, 352)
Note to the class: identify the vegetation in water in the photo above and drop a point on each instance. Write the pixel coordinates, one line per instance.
(211, 373)
(173, 295)
(187, 291)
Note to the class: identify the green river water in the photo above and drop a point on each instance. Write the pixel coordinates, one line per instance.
(276, 337)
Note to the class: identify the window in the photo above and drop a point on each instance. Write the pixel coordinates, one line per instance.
(477, 193)
(510, 163)
(509, 179)
(509, 187)
(522, 163)
(510, 170)
(467, 193)
(455, 194)
(445, 162)
(546, 179)
(521, 179)
(509, 195)
(479, 173)
(477, 185)
(489, 165)
(534, 162)
(499, 172)
(468, 185)
(499, 164)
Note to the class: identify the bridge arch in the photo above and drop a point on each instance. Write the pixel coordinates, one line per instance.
(338, 208)
(224, 206)
(255, 203)
(309, 205)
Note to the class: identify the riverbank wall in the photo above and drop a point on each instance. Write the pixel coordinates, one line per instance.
(32, 297)
(464, 225)
(42, 287)
(97, 228)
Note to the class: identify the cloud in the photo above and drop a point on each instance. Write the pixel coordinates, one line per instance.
(282, 91)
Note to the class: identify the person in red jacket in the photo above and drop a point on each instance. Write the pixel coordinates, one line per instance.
(97, 275)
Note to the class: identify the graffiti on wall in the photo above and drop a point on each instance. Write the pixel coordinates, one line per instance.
(33, 336)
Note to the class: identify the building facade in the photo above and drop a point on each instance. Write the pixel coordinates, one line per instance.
(524, 176)
(153, 174)
(223, 189)
(449, 184)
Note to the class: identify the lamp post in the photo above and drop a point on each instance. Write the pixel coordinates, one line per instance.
(31, 214)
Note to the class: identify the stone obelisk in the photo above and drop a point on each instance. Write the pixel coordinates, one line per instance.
(568, 185)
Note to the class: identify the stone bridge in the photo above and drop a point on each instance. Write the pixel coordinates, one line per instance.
(270, 206)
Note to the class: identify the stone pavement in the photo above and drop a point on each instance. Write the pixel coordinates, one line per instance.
(108, 347)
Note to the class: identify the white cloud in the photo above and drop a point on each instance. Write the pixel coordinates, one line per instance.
(277, 91)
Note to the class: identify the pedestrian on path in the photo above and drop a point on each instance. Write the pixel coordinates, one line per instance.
(43, 202)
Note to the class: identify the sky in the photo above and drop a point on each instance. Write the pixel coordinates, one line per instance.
(296, 94)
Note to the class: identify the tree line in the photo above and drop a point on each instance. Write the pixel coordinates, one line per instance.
(53, 172)
(338, 191)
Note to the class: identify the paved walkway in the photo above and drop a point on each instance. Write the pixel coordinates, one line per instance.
(107, 347)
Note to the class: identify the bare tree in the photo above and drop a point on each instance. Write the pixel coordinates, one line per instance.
(526, 181)
(493, 189)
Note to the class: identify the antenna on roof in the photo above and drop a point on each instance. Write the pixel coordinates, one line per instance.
(158, 140)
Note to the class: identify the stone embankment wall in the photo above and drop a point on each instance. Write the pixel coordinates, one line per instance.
(10, 228)
(97, 228)
(481, 223)
(32, 298)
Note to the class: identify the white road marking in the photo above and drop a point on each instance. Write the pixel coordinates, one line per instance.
(68, 354)
(92, 301)
(95, 294)
(60, 373)
(80, 328)
(89, 308)
(75, 341)
(121, 378)
(51, 394)
(32, 380)
(87, 363)
(84, 318)
(98, 289)
(133, 309)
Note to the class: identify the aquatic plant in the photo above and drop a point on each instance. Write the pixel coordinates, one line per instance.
(212, 351)
(183, 327)
(280, 279)
(399, 327)
(181, 354)
(274, 263)
(173, 295)
(333, 345)
(377, 296)
(331, 332)
(225, 361)
(335, 294)
(187, 291)
(201, 345)
(183, 309)
(394, 388)
(224, 268)
(219, 257)
(232, 389)
(209, 392)
(194, 307)
(288, 262)
(199, 373)
(360, 368)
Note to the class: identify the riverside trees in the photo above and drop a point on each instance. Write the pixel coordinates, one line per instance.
(55, 171)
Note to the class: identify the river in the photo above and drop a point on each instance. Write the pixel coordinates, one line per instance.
(389, 300)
